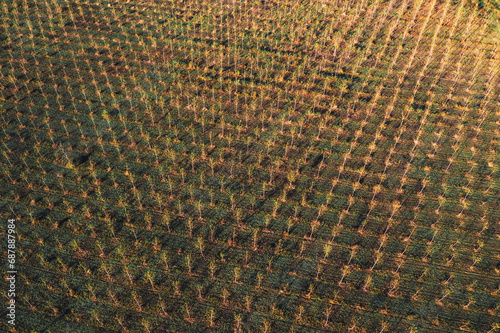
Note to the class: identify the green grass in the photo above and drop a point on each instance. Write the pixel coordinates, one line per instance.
(252, 166)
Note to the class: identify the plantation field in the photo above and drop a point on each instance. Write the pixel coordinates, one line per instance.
(252, 166)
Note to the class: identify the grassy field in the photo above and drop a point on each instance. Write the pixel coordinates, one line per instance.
(251, 166)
